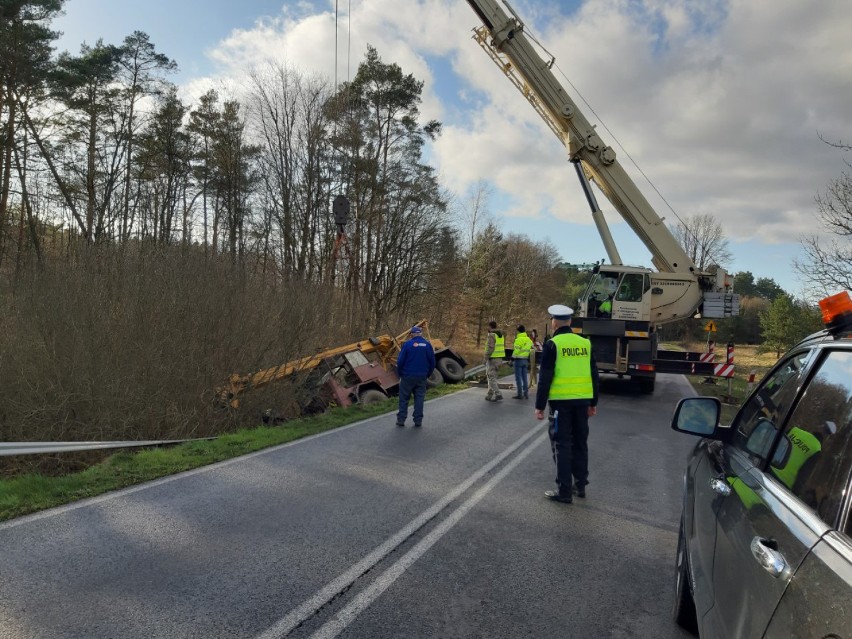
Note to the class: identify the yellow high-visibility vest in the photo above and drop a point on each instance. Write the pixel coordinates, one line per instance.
(803, 446)
(522, 346)
(499, 347)
(572, 376)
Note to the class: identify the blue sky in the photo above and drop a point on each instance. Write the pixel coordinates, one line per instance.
(721, 104)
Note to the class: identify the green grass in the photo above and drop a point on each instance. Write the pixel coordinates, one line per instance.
(730, 401)
(31, 493)
(746, 360)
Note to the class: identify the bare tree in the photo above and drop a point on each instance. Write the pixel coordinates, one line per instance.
(527, 264)
(703, 239)
(287, 119)
(474, 216)
(827, 264)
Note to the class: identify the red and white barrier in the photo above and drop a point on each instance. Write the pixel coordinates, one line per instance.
(751, 377)
(723, 370)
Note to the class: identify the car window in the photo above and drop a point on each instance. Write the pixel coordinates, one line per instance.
(762, 415)
(814, 458)
(631, 289)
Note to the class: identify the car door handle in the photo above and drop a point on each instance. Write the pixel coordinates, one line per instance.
(720, 486)
(769, 559)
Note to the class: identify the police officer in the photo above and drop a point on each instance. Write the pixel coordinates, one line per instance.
(568, 379)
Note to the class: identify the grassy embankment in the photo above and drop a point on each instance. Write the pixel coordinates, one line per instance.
(746, 361)
(31, 493)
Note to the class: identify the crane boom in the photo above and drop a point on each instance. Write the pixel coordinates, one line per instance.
(503, 38)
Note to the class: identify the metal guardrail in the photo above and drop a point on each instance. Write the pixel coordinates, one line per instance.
(476, 370)
(40, 448)
(8, 449)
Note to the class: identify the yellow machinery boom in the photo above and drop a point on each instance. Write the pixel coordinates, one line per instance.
(385, 346)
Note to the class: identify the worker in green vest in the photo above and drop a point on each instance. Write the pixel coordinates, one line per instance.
(495, 352)
(568, 381)
(521, 362)
(605, 309)
(800, 451)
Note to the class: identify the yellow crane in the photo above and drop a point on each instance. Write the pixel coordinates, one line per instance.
(359, 372)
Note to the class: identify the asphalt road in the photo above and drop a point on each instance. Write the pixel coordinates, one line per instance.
(374, 531)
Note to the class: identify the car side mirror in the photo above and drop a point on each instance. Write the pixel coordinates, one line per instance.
(698, 416)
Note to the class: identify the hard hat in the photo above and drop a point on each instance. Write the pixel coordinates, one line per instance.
(560, 312)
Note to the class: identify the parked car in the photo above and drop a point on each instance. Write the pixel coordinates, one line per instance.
(765, 544)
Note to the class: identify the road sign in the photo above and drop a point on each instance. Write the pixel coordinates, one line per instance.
(710, 327)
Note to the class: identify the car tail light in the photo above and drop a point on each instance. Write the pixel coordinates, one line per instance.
(644, 367)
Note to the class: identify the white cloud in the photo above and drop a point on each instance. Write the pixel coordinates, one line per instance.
(720, 104)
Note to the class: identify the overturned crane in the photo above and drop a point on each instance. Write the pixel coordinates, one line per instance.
(362, 372)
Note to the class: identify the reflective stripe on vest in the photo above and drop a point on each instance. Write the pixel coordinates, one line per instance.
(572, 376)
(499, 347)
(522, 347)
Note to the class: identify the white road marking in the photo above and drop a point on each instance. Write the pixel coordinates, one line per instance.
(309, 608)
(382, 583)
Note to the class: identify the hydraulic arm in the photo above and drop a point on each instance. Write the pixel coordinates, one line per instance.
(502, 37)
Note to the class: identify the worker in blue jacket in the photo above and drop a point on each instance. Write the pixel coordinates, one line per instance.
(414, 365)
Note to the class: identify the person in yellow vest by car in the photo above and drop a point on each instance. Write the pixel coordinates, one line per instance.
(568, 380)
(521, 361)
(605, 309)
(495, 352)
(790, 462)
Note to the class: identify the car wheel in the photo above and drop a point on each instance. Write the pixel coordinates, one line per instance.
(435, 379)
(683, 610)
(450, 369)
(371, 396)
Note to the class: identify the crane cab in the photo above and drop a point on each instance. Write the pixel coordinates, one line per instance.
(617, 292)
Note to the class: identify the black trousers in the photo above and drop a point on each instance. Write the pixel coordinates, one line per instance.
(569, 434)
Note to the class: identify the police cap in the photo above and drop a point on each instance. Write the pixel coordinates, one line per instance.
(560, 312)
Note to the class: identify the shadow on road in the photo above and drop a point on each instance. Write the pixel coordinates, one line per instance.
(622, 387)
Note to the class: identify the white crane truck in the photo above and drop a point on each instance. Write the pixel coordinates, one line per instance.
(623, 306)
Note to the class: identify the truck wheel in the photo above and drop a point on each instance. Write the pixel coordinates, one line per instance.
(371, 396)
(646, 385)
(435, 379)
(450, 369)
(683, 610)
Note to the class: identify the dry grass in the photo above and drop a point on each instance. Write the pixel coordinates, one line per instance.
(131, 344)
(747, 360)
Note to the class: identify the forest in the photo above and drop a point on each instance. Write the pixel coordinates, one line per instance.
(150, 247)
